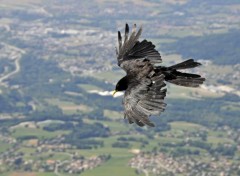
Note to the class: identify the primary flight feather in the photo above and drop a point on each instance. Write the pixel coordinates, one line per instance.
(144, 84)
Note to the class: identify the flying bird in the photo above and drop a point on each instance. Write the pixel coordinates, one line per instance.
(144, 83)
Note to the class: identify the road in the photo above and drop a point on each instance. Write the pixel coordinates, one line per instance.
(17, 69)
(61, 163)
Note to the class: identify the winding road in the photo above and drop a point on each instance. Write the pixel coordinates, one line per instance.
(17, 69)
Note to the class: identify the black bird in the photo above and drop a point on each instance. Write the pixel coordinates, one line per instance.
(145, 80)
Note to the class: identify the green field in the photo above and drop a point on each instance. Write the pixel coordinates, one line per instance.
(185, 126)
(115, 166)
(109, 75)
(89, 87)
(114, 115)
(29, 174)
(118, 163)
(36, 132)
(4, 146)
(20, 4)
(67, 49)
(69, 107)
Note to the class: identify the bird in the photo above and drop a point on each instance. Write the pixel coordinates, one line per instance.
(144, 85)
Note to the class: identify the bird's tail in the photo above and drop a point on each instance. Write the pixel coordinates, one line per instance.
(190, 63)
(174, 76)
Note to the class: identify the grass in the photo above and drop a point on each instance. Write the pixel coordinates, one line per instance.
(21, 174)
(47, 122)
(117, 152)
(152, 144)
(107, 149)
(117, 126)
(5, 21)
(4, 146)
(231, 107)
(218, 140)
(26, 150)
(185, 126)
(163, 140)
(109, 76)
(37, 132)
(177, 92)
(29, 174)
(69, 107)
(219, 70)
(60, 103)
(221, 134)
(46, 174)
(181, 33)
(113, 125)
(20, 4)
(89, 87)
(60, 156)
(161, 41)
(114, 115)
(74, 94)
(117, 166)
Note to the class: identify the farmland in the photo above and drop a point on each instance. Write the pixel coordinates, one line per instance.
(58, 68)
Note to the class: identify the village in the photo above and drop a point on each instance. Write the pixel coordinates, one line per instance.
(44, 153)
(52, 155)
(161, 164)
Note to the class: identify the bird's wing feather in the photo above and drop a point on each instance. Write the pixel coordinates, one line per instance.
(131, 48)
(144, 99)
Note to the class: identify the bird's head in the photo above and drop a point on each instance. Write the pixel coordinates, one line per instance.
(122, 85)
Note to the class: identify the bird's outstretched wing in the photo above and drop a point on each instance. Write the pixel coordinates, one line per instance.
(130, 48)
(144, 99)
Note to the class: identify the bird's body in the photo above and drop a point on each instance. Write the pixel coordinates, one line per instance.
(145, 80)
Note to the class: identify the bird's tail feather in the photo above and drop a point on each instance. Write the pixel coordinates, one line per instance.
(185, 65)
(174, 76)
(187, 80)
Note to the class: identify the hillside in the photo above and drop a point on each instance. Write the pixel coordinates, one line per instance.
(215, 47)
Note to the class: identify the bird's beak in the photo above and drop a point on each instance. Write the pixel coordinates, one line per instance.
(115, 91)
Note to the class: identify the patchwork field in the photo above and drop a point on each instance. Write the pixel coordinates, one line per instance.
(55, 122)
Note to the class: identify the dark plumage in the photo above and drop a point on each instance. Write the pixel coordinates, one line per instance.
(144, 84)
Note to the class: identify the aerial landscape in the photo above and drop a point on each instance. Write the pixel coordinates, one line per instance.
(58, 69)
